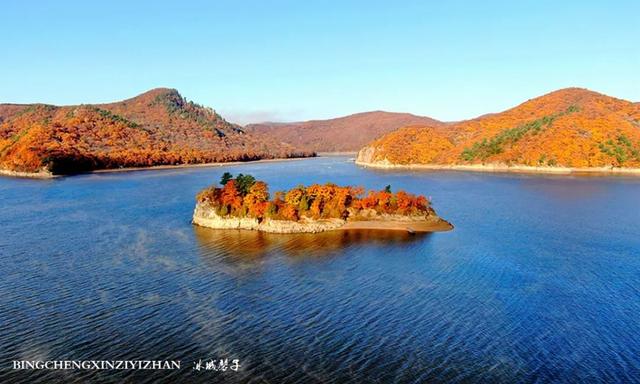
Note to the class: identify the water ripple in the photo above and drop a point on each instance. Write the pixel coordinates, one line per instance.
(539, 282)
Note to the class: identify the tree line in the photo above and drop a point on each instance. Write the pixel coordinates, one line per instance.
(244, 196)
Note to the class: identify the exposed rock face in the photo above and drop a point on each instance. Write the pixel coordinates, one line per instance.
(365, 155)
(40, 174)
(204, 215)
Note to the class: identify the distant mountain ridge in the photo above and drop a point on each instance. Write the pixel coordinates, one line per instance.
(342, 134)
(573, 127)
(158, 127)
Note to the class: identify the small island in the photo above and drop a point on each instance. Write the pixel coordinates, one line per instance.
(244, 203)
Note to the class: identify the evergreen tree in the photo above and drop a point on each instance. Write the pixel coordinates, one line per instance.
(225, 178)
(244, 183)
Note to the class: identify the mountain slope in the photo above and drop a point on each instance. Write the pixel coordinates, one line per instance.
(571, 127)
(343, 134)
(155, 128)
(8, 110)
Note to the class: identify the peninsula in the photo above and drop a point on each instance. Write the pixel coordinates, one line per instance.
(571, 130)
(244, 203)
(157, 128)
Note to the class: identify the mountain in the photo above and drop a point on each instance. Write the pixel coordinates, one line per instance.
(8, 110)
(342, 134)
(159, 127)
(571, 127)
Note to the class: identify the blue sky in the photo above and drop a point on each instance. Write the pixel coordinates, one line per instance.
(291, 60)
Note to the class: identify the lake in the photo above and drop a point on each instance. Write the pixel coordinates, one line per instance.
(538, 282)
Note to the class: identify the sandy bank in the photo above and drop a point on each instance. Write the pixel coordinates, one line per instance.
(602, 171)
(205, 216)
(30, 175)
(49, 175)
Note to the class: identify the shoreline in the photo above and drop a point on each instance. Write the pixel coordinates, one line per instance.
(42, 175)
(49, 175)
(204, 216)
(440, 225)
(198, 165)
(503, 168)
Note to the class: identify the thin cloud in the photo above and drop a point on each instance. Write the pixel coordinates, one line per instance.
(260, 116)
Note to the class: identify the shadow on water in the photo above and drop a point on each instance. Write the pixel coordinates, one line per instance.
(246, 246)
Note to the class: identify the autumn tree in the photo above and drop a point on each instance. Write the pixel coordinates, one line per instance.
(230, 198)
(257, 200)
(316, 201)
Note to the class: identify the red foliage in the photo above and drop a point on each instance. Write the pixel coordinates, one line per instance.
(159, 127)
(230, 197)
(570, 127)
(315, 201)
(347, 133)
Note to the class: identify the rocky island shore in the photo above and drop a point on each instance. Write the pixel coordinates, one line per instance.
(243, 203)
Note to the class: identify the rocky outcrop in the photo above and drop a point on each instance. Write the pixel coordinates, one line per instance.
(40, 174)
(365, 155)
(204, 215)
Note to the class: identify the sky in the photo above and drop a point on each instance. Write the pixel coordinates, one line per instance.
(258, 61)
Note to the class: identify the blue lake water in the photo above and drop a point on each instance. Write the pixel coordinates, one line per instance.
(538, 282)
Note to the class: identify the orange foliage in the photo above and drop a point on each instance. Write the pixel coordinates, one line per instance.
(230, 197)
(257, 199)
(571, 127)
(159, 127)
(315, 201)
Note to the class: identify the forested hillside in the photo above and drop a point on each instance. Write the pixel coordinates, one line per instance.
(570, 128)
(343, 134)
(159, 127)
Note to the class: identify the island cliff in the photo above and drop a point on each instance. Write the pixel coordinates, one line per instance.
(243, 203)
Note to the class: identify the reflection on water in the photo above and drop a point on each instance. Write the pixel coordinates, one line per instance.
(244, 245)
(539, 281)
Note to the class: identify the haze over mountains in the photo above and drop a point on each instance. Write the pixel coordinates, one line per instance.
(342, 134)
(570, 127)
(157, 127)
